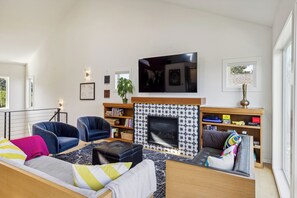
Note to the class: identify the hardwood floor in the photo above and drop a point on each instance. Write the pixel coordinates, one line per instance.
(265, 184)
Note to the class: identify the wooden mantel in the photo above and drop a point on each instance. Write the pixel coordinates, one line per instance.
(180, 101)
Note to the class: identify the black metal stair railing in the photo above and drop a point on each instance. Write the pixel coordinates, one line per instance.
(19, 123)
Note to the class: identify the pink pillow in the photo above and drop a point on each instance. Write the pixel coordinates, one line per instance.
(232, 148)
(33, 146)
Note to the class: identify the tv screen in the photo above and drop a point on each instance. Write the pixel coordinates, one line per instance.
(175, 73)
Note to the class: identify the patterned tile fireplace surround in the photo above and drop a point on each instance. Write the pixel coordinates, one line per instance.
(185, 109)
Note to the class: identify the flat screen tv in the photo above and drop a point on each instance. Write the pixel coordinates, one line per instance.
(174, 73)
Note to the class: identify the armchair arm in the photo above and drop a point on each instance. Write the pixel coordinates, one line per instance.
(49, 137)
(69, 131)
(83, 130)
(107, 126)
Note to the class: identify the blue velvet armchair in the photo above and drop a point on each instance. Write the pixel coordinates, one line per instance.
(58, 136)
(93, 128)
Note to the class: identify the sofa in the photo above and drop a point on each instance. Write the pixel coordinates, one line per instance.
(46, 176)
(194, 179)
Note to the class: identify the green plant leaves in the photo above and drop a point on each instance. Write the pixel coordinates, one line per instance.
(124, 86)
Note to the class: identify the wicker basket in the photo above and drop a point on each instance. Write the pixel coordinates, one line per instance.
(127, 136)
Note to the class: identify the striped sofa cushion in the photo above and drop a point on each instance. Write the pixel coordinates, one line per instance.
(96, 177)
(10, 151)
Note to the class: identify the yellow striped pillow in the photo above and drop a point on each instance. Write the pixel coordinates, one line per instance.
(96, 177)
(10, 151)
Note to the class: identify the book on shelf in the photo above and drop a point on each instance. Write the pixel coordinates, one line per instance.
(113, 121)
(114, 130)
(117, 112)
(129, 123)
(226, 119)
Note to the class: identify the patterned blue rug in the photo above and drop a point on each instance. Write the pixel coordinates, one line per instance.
(84, 156)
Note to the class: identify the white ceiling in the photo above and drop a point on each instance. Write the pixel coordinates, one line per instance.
(26, 24)
(256, 11)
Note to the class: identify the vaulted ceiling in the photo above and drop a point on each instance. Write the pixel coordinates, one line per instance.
(255, 11)
(26, 24)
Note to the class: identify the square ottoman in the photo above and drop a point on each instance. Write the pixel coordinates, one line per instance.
(117, 151)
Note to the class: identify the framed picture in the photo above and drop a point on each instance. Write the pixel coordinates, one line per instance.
(106, 93)
(242, 70)
(174, 77)
(87, 91)
(106, 79)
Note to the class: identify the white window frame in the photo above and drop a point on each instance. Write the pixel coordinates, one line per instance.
(285, 118)
(277, 108)
(117, 76)
(7, 92)
(30, 92)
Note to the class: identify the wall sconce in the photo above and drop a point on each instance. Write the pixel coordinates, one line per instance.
(87, 74)
(60, 103)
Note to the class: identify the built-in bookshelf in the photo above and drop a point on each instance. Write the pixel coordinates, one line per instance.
(120, 116)
(238, 119)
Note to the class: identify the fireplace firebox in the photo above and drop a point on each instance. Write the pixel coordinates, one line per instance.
(163, 131)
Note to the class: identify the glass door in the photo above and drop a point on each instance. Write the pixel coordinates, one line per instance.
(288, 105)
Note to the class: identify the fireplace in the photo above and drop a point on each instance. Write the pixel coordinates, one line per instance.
(163, 131)
(188, 126)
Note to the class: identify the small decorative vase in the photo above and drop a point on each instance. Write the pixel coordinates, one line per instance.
(244, 102)
(125, 100)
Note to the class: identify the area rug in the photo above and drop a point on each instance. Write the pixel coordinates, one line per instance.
(84, 156)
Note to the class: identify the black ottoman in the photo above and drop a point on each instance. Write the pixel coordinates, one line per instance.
(117, 151)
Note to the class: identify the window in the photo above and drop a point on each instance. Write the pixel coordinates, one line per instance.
(288, 105)
(118, 75)
(30, 92)
(4, 82)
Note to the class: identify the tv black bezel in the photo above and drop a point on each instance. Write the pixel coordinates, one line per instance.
(154, 91)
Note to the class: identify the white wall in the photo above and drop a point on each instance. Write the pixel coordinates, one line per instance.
(283, 11)
(112, 35)
(16, 74)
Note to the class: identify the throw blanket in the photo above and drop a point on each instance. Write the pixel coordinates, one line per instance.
(33, 146)
(138, 182)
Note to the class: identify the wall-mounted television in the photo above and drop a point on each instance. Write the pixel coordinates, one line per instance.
(174, 73)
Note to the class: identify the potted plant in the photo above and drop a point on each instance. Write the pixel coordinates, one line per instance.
(124, 86)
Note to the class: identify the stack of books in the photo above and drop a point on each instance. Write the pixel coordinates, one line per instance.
(129, 123)
(117, 112)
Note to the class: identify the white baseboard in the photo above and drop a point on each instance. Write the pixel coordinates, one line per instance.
(269, 161)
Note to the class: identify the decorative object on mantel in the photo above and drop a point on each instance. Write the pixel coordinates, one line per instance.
(87, 91)
(244, 102)
(124, 86)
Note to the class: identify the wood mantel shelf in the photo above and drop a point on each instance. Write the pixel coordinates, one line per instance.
(180, 101)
